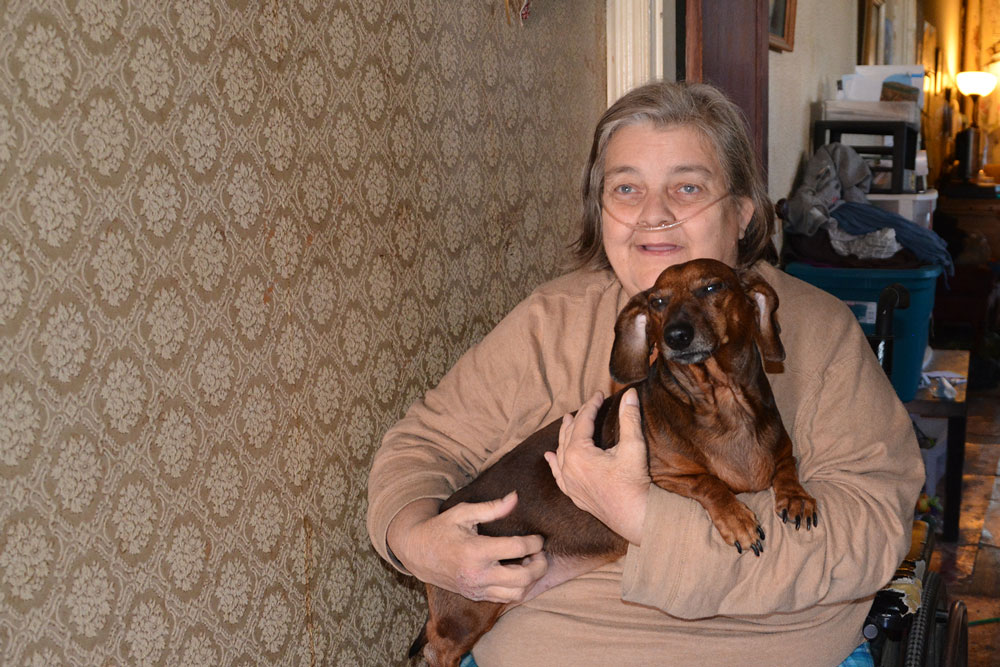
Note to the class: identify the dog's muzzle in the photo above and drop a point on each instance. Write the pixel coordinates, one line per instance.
(680, 337)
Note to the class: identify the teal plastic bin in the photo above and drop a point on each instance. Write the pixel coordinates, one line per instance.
(860, 289)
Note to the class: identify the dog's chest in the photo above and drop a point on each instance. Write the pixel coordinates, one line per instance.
(736, 454)
(721, 435)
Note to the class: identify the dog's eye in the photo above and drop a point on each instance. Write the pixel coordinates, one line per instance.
(658, 303)
(711, 288)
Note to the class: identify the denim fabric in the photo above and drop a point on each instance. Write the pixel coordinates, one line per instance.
(861, 657)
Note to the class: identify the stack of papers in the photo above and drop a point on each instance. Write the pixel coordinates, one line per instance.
(867, 82)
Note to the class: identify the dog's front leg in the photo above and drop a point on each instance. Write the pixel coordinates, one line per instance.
(791, 501)
(735, 521)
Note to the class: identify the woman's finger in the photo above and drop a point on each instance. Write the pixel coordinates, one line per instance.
(555, 465)
(502, 594)
(514, 547)
(583, 423)
(629, 418)
(511, 581)
(565, 432)
(524, 573)
(472, 514)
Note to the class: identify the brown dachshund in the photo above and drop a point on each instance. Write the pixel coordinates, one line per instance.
(709, 420)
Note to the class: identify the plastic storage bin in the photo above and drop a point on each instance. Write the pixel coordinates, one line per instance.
(917, 208)
(908, 112)
(860, 289)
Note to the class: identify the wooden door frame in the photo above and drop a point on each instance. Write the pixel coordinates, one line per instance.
(726, 44)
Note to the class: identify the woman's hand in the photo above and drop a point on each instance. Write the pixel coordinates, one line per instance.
(447, 551)
(612, 484)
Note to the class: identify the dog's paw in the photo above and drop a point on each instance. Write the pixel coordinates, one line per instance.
(797, 507)
(740, 528)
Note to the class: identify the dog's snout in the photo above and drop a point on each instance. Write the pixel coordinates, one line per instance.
(678, 336)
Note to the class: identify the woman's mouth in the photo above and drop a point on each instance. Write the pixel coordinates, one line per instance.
(658, 247)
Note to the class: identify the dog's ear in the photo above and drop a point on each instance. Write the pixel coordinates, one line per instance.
(630, 352)
(765, 300)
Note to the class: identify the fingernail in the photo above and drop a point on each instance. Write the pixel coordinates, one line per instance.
(631, 398)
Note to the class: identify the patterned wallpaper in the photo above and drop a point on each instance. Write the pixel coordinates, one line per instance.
(238, 238)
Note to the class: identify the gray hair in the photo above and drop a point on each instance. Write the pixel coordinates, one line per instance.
(722, 123)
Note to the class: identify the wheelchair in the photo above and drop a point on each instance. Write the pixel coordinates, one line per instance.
(910, 623)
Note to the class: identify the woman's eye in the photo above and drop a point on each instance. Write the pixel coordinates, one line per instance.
(625, 190)
(689, 189)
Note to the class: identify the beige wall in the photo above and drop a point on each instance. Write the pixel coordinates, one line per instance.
(825, 49)
(237, 238)
(946, 16)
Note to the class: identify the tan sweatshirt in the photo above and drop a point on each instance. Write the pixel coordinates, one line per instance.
(684, 597)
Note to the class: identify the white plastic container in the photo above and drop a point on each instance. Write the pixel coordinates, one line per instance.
(917, 208)
(878, 111)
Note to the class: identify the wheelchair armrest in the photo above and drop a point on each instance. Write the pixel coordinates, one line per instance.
(895, 604)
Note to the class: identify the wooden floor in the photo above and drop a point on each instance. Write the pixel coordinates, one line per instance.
(971, 567)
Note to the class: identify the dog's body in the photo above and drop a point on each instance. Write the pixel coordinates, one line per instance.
(709, 420)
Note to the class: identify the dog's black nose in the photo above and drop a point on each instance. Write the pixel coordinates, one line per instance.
(679, 336)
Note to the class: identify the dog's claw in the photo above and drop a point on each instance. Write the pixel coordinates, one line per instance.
(760, 531)
(784, 516)
(798, 521)
(739, 549)
(756, 550)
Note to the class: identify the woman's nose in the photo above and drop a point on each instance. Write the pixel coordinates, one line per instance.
(656, 210)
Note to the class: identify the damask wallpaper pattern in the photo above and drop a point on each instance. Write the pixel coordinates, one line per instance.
(237, 239)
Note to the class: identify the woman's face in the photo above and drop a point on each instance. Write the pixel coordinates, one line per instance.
(655, 176)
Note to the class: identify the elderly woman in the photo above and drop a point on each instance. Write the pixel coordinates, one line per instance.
(671, 177)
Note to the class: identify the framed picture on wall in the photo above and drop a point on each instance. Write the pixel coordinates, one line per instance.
(871, 32)
(782, 25)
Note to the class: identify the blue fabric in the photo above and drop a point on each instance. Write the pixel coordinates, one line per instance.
(861, 657)
(859, 219)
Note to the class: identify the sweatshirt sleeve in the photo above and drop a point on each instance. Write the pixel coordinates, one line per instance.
(540, 362)
(857, 455)
(445, 437)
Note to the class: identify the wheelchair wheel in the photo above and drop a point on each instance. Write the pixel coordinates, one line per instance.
(956, 646)
(922, 630)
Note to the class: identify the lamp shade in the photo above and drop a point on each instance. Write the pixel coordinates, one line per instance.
(976, 83)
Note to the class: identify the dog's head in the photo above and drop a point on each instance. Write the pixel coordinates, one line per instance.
(696, 310)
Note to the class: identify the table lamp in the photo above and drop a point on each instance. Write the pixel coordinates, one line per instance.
(974, 85)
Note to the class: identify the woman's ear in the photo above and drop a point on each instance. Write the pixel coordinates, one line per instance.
(630, 352)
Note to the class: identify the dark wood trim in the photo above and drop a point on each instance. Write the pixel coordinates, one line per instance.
(693, 41)
(726, 44)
